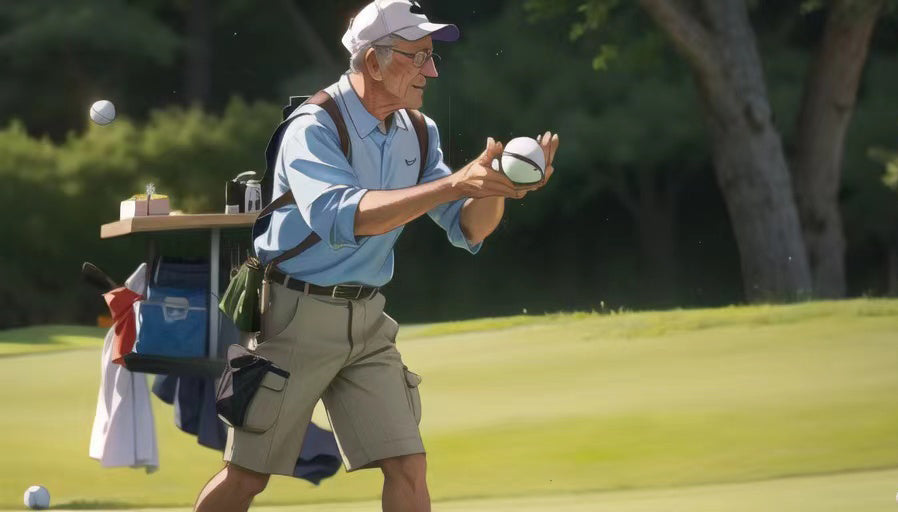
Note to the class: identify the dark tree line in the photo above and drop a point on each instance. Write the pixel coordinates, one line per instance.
(713, 151)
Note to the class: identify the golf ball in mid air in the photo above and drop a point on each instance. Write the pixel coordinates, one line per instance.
(523, 161)
(37, 497)
(102, 112)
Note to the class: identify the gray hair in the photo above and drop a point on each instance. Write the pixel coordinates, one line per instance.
(381, 50)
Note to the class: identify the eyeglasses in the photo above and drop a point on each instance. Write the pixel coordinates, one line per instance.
(419, 58)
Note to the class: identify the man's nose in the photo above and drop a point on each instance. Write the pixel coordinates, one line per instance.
(429, 69)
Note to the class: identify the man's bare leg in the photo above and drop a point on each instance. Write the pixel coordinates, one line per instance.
(405, 486)
(231, 490)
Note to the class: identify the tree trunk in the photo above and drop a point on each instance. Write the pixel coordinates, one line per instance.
(827, 106)
(718, 43)
(198, 70)
(657, 224)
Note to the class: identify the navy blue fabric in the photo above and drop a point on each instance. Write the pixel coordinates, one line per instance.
(181, 272)
(194, 401)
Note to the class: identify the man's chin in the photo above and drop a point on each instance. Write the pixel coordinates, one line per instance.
(416, 98)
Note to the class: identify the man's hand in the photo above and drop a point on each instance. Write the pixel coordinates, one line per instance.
(478, 179)
(549, 143)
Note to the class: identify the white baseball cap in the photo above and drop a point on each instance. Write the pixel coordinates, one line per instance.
(404, 18)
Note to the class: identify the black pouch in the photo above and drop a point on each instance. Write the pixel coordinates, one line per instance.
(239, 383)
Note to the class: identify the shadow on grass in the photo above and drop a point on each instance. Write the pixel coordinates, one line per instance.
(29, 335)
(50, 334)
(93, 505)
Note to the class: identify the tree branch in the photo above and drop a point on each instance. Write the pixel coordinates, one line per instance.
(308, 36)
(688, 35)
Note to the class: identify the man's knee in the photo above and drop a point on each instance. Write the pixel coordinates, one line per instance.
(409, 468)
(249, 482)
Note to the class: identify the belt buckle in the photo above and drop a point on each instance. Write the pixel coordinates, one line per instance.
(334, 291)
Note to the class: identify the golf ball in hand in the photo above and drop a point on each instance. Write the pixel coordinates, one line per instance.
(523, 161)
(102, 112)
(37, 497)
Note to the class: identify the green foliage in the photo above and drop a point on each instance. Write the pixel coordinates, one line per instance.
(43, 26)
(592, 16)
(538, 10)
(890, 7)
(637, 118)
(607, 53)
(57, 195)
(890, 160)
(595, 14)
(809, 6)
(891, 177)
(66, 55)
(869, 207)
(633, 117)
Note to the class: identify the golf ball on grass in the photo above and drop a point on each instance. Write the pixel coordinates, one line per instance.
(102, 112)
(523, 161)
(37, 497)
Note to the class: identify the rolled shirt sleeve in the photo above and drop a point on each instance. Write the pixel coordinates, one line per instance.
(325, 188)
(446, 215)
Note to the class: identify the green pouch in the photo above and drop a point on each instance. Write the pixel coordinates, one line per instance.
(241, 301)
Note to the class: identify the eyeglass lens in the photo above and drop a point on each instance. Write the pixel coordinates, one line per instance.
(421, 58)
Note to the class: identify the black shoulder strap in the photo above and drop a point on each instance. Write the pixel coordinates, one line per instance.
(325, 101)
(423, 142)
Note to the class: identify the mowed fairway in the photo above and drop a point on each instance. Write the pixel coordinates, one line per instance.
(557, 407)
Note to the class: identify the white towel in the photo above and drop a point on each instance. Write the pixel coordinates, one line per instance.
(123, 433)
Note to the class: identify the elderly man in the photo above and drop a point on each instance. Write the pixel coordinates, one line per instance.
(336, 341)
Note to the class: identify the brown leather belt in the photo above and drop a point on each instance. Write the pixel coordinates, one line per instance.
(339, 291)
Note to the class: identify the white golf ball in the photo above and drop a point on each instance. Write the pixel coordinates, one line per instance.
(523, 161)
(37, 497)
(102, 112)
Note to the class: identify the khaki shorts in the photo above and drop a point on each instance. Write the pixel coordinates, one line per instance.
(340, 350)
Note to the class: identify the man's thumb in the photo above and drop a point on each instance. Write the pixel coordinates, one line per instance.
(493, 150)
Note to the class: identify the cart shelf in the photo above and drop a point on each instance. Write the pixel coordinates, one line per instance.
(176, 222)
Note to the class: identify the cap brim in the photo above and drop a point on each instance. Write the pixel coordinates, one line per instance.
(437, 32)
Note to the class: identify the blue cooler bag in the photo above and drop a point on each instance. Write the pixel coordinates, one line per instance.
(173, 320)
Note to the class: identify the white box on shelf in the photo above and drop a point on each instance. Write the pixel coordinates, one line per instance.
(137, 206)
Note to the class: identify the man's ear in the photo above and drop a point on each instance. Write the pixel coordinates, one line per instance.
(373, 65)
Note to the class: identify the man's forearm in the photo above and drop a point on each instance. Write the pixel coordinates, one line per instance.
(381, 211)
(479, 217)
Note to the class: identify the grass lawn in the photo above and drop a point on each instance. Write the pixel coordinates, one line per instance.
(858, 492)
(49, 339)
(555, 407)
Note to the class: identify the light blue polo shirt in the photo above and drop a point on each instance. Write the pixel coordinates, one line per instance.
(327, 189)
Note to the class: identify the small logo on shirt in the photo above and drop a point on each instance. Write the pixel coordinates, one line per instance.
(410, 162)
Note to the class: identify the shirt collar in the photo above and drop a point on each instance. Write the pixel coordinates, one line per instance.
(359, 116)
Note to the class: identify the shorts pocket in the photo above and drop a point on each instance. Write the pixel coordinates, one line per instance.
(266, 404)
(391, 327)
(279, 314)
(412, 380)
